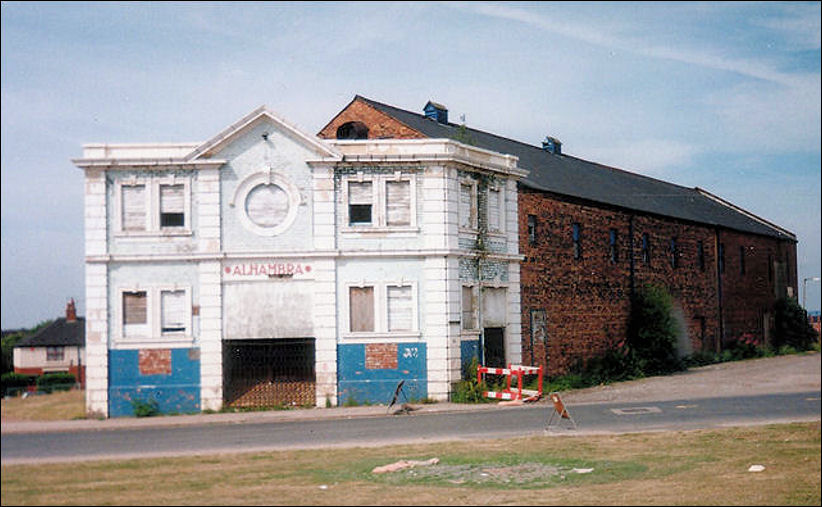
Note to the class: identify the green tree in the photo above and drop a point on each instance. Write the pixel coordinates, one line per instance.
(9, 341)
(791, 326)
(652, 334)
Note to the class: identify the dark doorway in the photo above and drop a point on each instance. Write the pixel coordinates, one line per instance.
(268, 373)
(495, 347)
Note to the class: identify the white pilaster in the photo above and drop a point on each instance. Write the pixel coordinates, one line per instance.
(211, 342)
(325, 331)
(208, 210)
(324, 207)
(97, 330)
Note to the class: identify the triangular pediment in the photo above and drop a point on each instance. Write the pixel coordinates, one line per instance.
(261, 114)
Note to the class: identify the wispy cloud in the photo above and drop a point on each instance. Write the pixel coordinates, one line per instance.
(598, 34)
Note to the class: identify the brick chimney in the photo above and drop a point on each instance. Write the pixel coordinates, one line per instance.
(71, 311)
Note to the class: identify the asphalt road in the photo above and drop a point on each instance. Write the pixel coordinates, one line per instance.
(422, 426)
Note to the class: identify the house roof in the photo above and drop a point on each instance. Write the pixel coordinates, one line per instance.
(581, 179)
(59, 333)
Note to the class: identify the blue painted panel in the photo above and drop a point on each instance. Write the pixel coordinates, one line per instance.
(358, 384)
(469, 349)
(176, 393)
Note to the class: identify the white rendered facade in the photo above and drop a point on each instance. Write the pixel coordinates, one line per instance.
(264, 233)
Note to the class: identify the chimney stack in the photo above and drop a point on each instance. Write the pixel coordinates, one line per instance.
(71, 311)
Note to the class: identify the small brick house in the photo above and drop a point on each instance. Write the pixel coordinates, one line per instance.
(592, 235)
(56, 348)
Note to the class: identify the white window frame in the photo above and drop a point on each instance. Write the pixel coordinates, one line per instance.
(152, 206)
(474, 208)
(379, 213)
(55, 348)
(500, 189)
(474, 306)
(153, 333)
(381, 311)
(266, 178)
(142, 332)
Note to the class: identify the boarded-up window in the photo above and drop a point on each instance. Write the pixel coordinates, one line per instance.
(135, 315)
(467, 209)
(398, 202)
(134, 207)
(539, 326)
(360, 201)
(494, 307)
(134, 307)
(494, 210)
(361, 301)
(172, 206)
(173, 309)
(400, 308)
(267, 205)
(468, 319)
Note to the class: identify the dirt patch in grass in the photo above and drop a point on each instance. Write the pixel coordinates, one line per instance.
(706, 467)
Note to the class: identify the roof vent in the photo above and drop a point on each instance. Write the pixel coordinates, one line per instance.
(552, 145)
(436, 112)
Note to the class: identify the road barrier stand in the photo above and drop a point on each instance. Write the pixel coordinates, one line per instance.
(517, 371)
(559, 409)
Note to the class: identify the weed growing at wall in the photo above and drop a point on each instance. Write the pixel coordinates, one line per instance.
(144, 408)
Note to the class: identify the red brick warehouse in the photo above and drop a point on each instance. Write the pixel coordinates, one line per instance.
(592, 235)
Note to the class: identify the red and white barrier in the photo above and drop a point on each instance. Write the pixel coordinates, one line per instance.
(513, 393)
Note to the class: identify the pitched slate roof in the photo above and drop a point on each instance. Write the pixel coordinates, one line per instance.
(59, 333)
(577, 178)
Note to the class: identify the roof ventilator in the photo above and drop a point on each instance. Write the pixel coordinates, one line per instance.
(436, 112)
(552, 145)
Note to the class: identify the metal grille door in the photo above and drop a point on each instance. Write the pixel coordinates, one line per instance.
(269, 373)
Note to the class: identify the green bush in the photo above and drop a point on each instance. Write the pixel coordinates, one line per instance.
(469, 391)
(701, 358)
(791, 326)
(616, 365)
(144, 408)
(16, 380)
(565, 383)
(55, 382)
(652, 334)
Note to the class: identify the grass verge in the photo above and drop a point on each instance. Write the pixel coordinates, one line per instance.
(705, 467)
(56, 406)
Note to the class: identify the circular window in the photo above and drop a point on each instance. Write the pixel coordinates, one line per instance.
(266, 203)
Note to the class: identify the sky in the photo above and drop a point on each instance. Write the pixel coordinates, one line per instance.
(718, 95)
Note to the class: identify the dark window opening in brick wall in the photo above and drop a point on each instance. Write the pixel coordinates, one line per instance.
(646, 249)
(673, 253)
(700, 255)
(577, 236)
(722, 257)
(613, 246)
(770, 268)
(532, 230)
(741, 260)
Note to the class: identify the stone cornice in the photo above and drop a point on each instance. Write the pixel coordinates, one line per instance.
(320, 254)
